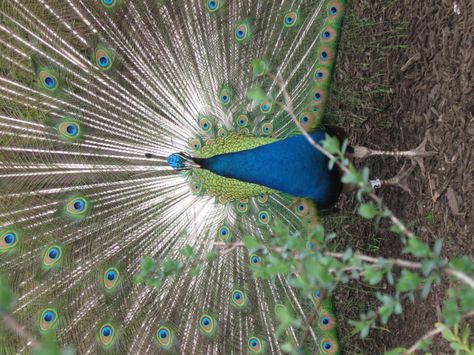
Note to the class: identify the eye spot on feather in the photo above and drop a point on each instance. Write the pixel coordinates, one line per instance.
(335, 9)
(103, 58)
(165, 337)
(48, 80)
(206, 124)
(326, 321)
(243, 31)
(291, 19)
(267, 129)
(328, 35)
(214, 5)
(48, 320)
(77, 207)
(255, 260)
(8, 240)
(222, 132)
(196, 187)
(52, 256)
(262, 199)
(111, 278)
(242, 206)
(238, 299)
(225, 95)
(69, 129)
(108, 3)
(224, 233)
(266, 107)
(264, 217)
(326, 55)
(107, 335)
(329, 346)
(207, 325)
(242, 120)
(255, 345)
(195, 144)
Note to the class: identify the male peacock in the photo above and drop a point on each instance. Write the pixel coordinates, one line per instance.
(97, 98)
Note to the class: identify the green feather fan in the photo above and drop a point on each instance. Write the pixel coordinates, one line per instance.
(94, 96)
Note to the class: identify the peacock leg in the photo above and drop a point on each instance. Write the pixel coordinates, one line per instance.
(399, 180)
(416, 154)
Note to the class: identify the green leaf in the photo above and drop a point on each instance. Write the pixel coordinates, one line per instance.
(251, 242)
(409, 281)
(417, 248)
(260, 67)
(368, 210)
(451, 313)
(372, 274)
(331, 144)
(353, 177)
(187, 251)
(256, 94)
(287, 348)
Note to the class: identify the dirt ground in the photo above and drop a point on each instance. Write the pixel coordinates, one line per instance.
(408, 69)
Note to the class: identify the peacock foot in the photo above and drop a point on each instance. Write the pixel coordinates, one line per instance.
(416, 154)
(400, 180)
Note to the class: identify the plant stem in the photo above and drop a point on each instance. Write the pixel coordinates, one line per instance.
(431, 334)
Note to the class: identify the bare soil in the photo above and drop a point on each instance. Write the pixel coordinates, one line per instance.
(406, 70)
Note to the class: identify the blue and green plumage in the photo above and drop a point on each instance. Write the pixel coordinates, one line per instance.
(94, 97)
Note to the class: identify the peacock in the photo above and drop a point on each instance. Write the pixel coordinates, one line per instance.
(134, 129)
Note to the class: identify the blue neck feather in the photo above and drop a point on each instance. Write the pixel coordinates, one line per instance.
(290, 165)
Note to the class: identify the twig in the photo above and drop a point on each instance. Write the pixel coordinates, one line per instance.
(369, 259)
(431, 334)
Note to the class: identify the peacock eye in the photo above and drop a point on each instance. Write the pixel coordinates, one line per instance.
(205, 321)
(290, 19)
(327, 345)
(9, 238)
(255, 259)
(163, 334)
(49, 82)
(53, 253)
(48, 316)
(237, 296)
(212, 5)
(79, 205)
(317, 96)
(333, 10)
(324, 55)
(253, 343)
(107, 331)
(108, 2)
(104, 61)
(111, 275)
(326, 34)
(325, 320)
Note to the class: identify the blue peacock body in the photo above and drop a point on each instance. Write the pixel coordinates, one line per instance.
(133, 129)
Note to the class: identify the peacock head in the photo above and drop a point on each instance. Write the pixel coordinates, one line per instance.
(182, 161)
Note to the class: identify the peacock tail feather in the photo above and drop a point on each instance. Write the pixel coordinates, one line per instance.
(94, 96)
